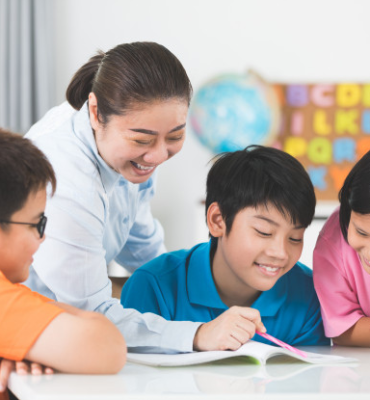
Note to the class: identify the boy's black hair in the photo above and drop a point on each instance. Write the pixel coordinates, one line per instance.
(355, 193)
(257, 176)
(24, 169)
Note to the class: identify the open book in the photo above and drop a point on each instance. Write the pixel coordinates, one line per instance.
(259, 352)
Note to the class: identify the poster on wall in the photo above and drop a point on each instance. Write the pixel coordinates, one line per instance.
(327, 128)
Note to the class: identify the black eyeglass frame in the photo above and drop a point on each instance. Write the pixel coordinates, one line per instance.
(40, 226)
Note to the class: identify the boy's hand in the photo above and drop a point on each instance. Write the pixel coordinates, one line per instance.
(229, 331)
(22, 368)
(6, 367)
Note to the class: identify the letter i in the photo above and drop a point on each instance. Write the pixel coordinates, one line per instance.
(297, 123)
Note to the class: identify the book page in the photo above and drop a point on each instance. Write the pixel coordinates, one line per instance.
(257, 352)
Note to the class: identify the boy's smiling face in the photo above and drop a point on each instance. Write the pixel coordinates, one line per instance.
(260, 248)
(18, 243)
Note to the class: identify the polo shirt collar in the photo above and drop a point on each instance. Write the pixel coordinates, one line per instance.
(84, 132)
(202, 289)
(270, 301)
(200, 283)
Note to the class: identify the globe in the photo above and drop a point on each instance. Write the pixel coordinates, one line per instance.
(233, 111)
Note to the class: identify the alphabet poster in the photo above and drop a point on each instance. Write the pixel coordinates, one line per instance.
(327, 128)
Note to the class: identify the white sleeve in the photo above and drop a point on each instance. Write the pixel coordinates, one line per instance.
(145, 240)
(71, 263)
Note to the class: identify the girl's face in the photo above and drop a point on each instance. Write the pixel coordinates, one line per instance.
(359, 237)
(134, 144)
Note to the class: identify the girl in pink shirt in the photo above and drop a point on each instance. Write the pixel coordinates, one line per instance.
(341, 262)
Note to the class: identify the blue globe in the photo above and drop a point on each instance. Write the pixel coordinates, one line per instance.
(233, 111)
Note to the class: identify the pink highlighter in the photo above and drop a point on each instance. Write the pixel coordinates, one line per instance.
(282, 344)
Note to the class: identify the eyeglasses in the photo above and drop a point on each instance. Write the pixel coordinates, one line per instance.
(40, 226)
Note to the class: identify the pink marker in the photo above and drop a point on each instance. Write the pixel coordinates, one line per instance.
(282, 344)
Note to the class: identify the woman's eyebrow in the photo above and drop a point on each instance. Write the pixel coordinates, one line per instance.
(150, 132)
(182, 126)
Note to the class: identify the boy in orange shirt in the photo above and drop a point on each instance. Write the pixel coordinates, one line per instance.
(33, 327)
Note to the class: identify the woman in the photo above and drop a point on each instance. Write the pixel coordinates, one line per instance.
(341, 262)
(130, 107)
(129, 115)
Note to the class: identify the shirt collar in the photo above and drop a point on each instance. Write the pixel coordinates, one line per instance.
(83, 131)
(200, 283)
(270, 301)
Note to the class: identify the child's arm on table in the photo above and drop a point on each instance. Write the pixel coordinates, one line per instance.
(79, 341)
(357, 335)
(21, 367)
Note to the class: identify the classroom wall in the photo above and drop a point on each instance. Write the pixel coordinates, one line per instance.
(284, 40)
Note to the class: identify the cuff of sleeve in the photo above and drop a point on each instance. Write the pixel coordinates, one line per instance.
(179, 335)
(337, 326)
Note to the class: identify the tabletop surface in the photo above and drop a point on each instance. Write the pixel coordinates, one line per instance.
(281, 378)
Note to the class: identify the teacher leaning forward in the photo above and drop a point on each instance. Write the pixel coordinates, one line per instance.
(129, 114)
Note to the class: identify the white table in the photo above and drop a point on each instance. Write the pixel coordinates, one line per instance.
(283, 379)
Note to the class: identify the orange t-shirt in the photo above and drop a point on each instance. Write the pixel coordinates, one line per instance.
(23, 317)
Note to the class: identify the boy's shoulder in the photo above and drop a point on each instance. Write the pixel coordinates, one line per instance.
(14, 291)
(301, 270)
(168, 263)
(23, 317)
(300, 276)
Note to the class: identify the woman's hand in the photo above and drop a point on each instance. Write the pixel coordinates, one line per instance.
(230, 330)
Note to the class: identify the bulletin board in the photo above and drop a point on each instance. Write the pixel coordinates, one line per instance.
(327, 128)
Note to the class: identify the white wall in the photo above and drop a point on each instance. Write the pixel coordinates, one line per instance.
(284, 40)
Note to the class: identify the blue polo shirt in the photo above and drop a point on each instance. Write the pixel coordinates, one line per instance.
(179, 286)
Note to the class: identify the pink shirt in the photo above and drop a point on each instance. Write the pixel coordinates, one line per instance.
(341, 283)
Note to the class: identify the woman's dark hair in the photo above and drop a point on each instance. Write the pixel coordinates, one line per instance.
(355, 193)
(24, 169)
(257, 176)
(128, 74)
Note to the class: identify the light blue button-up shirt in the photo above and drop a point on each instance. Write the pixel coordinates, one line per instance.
(97, 216)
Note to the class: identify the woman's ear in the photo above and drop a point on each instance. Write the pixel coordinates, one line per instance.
(215, 221)
(93, 111)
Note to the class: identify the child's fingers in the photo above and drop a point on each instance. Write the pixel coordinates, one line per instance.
(250, 314)
(6, 367)
(48, 371)
(36, 369)
(244, 333)
(21, 368)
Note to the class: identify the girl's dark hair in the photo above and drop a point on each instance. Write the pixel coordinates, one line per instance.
(24, 169)
(355, 193)
(257, 176)
(128, 74)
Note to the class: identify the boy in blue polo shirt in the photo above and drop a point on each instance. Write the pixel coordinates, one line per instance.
(259, 202)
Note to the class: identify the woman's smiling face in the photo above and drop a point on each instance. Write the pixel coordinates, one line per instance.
(134, 144)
